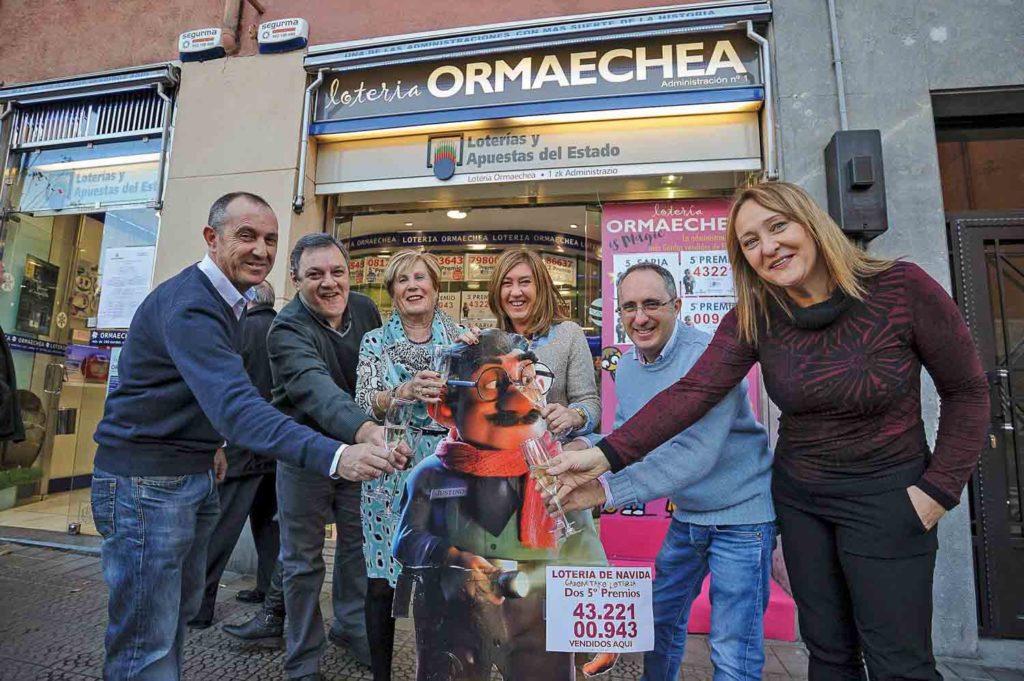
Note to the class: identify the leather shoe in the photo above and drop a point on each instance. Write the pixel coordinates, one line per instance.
(200, 624)
(263, 628)
(357, 648)
(250, 596)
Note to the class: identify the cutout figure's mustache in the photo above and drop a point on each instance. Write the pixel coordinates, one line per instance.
(507, 419)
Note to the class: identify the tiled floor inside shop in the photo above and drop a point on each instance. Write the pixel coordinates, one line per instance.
(53, 613)
(53, 513)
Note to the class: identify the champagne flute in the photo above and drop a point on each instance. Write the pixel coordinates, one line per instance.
(413, 435)
(396, 422)
(539, 458)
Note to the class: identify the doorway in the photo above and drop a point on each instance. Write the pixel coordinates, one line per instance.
(980, 139)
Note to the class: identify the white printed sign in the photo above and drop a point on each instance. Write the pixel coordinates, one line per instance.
(561, 269)
(452, 267)
(449, 303)
(706, 313)
(474, 305)
(599, 609)
(126, 275)
(480, 267)
(705, 273)
(355, 271)
(373, 269)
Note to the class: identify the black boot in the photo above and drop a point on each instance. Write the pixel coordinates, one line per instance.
(264, 628)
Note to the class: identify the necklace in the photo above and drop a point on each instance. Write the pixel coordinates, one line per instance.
(409, 328)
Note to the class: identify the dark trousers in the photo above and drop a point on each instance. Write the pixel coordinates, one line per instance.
(307, 502)
(380, 627)
(239, 499)
(861, 567)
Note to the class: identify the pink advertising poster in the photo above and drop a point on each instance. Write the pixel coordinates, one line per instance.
(688, 239)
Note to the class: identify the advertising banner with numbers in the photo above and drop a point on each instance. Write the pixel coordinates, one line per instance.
(480, 266)
(452, 267)
(373, 269)
(474, 305)
(450, 303)
(561, 269)
(355, 271)
(688, 239)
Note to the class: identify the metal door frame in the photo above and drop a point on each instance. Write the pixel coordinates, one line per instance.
(992, 553)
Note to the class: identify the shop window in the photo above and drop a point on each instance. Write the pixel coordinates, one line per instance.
(88, 176)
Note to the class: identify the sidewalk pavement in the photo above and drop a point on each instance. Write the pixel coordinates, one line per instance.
(53, 615)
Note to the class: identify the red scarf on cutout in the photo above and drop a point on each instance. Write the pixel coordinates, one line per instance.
(535, 525)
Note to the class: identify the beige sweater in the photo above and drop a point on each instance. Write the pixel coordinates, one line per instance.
(567, 354)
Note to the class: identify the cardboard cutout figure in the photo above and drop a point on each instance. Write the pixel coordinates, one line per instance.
(474, 539)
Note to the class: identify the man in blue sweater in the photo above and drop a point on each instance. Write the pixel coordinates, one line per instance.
(717, 474)
(183, 392)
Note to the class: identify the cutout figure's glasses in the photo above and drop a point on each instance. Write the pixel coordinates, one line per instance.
(493, 381)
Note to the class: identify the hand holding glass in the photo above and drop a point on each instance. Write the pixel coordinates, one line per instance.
(539, 458)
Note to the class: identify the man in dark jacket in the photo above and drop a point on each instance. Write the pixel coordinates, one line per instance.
(314, 350)
(11, 427)
(248, 488)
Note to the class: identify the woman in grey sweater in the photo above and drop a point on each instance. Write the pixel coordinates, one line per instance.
(525, 301)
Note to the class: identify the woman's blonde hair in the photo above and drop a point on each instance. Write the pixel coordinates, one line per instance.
(403, 261)
(847, 264)
(544, 312)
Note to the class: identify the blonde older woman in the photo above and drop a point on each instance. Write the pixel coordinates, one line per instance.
(395, 362)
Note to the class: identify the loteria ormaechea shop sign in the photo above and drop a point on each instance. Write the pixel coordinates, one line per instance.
(644, 66)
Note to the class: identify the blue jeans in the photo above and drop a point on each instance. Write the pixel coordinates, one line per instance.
(739, 558)
(155, 531)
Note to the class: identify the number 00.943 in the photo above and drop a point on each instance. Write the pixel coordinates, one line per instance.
(591, 629)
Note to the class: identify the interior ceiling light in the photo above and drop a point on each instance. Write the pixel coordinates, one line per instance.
(408, 224)
(574, 226)
(477, 247)
(457, 214)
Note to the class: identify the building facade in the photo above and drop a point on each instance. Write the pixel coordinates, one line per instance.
(525, 124)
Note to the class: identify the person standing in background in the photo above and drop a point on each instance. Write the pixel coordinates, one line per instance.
(248, 488)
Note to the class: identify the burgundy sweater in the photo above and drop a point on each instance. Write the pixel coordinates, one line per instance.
(847, 381)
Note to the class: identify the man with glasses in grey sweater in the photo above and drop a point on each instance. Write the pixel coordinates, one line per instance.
(718, 475)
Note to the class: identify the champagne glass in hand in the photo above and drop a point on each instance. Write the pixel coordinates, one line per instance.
(538, 458)
(396, 422)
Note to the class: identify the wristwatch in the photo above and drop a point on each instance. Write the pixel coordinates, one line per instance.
(584, 416)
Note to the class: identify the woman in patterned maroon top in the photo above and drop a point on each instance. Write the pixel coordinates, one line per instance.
(841, 338)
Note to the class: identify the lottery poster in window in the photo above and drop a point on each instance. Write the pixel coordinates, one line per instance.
(449, 303)
(480, 266)
(705, 273)
(356, 271)
(373, 269)
(705, 313)
(474, 305)
(452, 267)
(561, 269)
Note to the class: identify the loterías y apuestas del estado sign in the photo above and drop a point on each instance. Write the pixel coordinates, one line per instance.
(644, 66)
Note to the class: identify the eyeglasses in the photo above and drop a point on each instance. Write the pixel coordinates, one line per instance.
(650, 307)
(494, 381)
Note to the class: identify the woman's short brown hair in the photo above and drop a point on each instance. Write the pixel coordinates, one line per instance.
(403, 261)
(544, 311)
